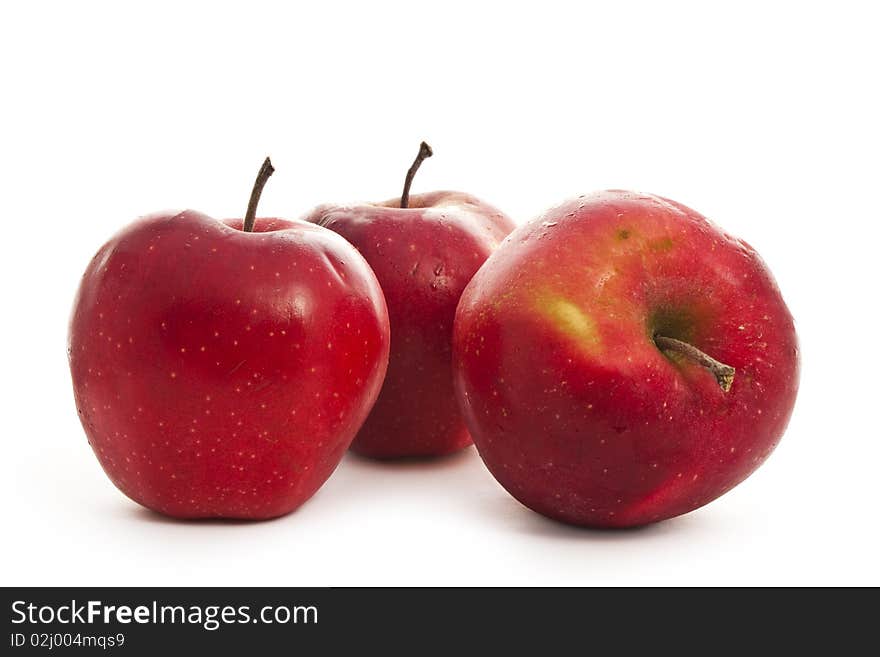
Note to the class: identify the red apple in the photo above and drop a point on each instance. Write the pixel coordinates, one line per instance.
(222, 370)
(424, 250)
(621, 360)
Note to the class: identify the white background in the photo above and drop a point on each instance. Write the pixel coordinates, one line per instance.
(763, 116)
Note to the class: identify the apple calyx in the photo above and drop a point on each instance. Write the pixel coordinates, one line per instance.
(262, 176)
(425, 152)
(723, 373)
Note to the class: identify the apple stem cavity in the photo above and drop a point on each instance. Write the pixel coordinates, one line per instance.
(251, 215)
(425, 152)
(723, 373)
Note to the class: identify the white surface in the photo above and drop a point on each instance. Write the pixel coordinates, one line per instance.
(763, 117)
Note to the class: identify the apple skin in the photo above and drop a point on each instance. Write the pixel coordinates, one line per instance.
(223, 374)
(571, 405)
(424, 256)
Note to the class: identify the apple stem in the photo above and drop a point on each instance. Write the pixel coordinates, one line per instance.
(251, 215)
(723, 373)
(425, 152)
